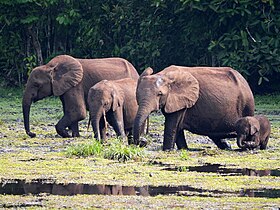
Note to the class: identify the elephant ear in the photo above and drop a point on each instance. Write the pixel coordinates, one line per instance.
(118, 99)
(67, 73)
(254, 128)
(183, 90)
(147, 71)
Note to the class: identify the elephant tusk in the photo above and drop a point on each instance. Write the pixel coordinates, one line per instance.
(104, 115)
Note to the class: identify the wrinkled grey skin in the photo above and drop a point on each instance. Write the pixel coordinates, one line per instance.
(253, 132)
(70, 79)
(115, 99)
(203, 100)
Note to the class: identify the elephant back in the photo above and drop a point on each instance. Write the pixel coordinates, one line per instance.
(96, 70)
(109, 69)
(224, 97)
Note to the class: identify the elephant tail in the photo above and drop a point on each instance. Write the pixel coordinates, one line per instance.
(88, 123)
(132, 72)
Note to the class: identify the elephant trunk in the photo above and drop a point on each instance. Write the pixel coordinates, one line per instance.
(96, 120)
(255, 142)
(26, 104)
(240, 141)
(141, 116)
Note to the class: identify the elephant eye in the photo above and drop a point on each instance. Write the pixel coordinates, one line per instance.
(36, 85)
(160, 93)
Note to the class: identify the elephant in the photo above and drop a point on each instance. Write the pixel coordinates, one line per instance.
(115, 99)
(203, 100)
(71, 78)
(253, 132)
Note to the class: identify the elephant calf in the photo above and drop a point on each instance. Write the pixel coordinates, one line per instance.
(115, 99)
(253, 132)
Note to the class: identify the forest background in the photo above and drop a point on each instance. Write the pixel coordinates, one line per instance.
(242, 34)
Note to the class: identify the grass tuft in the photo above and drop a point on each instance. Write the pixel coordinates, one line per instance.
(117, 150)
(184, 155)
(94, 148)
(114, 149)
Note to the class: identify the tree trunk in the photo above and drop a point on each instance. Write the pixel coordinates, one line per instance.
(36, 44)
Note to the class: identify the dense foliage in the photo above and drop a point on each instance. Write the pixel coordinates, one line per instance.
(243, 34)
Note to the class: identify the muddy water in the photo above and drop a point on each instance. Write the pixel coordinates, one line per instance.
(20, 187)
(222, 170)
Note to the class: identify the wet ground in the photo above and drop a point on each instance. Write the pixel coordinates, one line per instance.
(36, 173)
(37, 187)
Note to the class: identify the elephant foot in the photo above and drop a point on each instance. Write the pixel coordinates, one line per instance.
(263, 147)
(75, 134)
(130, 140)
(167, 149)
(183, 148)
(143, 142)
(30, 134)
(182, 145)
(63, 133)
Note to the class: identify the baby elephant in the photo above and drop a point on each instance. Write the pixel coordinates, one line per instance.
(253, 132)
(114, 101)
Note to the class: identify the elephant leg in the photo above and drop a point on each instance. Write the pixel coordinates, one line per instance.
(171, 125)
(129, 136)
(221, 143)
(181, 140)
(116, 120)
(102, 127)
(61, 127)
(263, 144)
(74, 110)
(75, 129)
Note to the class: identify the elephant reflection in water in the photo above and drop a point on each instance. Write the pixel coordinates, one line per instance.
(251, 172)
(74, 189)
(116, 190)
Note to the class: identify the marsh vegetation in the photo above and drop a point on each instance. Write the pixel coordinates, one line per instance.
(43, 172)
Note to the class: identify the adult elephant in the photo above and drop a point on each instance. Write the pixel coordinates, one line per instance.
(70, 79)
(203, 100)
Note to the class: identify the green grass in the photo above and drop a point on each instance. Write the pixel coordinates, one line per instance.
(114, 149)
(84, 160)
(94, 148)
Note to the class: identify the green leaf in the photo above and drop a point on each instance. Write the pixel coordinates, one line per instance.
(29, 20)
(260, 81)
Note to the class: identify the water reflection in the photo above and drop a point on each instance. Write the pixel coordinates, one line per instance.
(20, 187)
(222, 170)
(265, 193)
